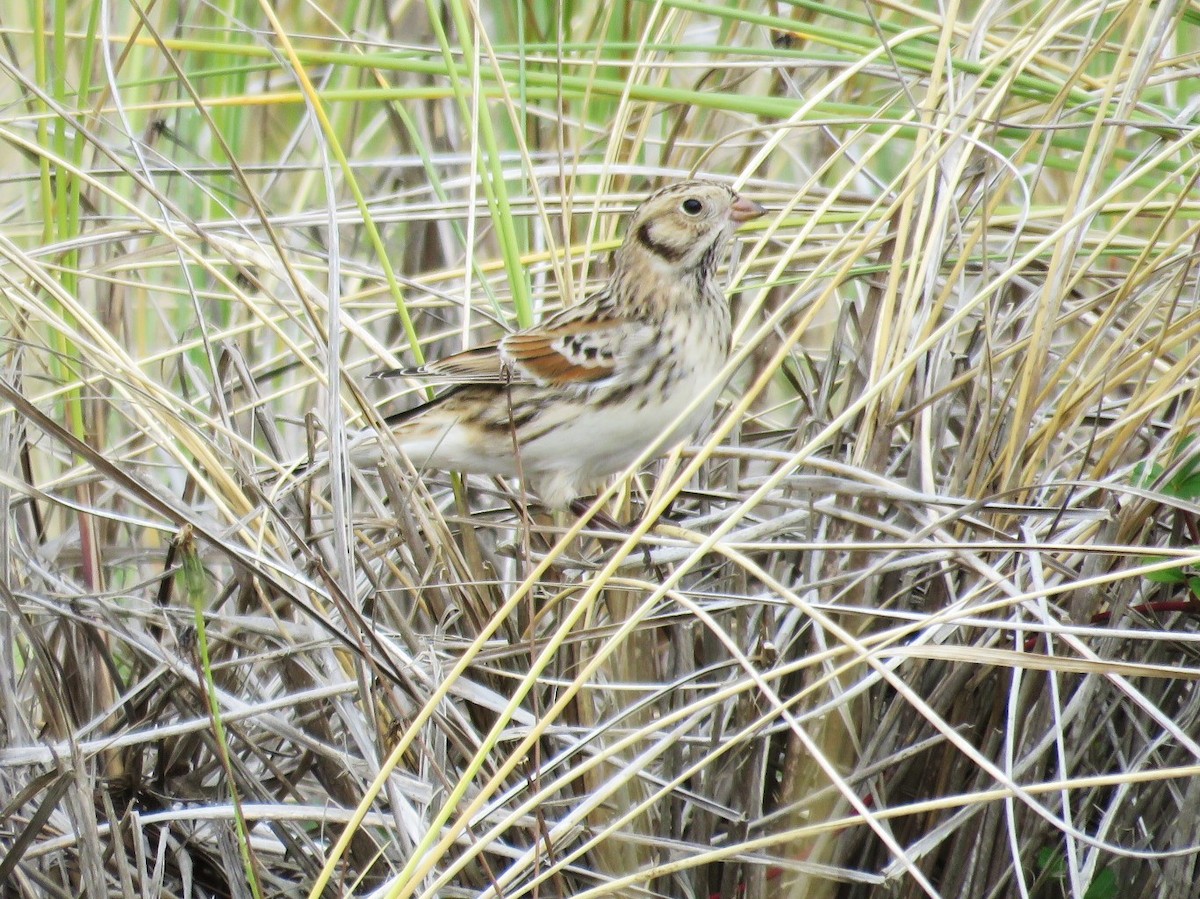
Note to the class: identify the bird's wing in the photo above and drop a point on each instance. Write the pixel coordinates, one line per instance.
(480, 365)
(576, 352)
(563, 352)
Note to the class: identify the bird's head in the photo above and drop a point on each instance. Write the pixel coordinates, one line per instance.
(685, 226)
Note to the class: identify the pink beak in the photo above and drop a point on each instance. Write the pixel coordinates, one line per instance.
(744, 210)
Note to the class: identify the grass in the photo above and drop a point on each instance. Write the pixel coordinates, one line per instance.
(921, 619)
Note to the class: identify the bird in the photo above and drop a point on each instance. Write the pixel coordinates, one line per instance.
(578, 397)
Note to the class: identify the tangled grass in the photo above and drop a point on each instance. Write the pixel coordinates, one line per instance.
(916, 618)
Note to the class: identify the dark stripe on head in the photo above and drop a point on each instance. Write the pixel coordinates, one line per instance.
(683, 187)
(669, 253)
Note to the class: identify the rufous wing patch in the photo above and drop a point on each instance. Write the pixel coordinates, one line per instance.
(566, 353)
(572, 354)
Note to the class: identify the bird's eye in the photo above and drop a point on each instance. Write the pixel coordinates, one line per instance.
(692, 206)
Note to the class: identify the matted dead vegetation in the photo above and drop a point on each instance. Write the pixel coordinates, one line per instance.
(917, 617)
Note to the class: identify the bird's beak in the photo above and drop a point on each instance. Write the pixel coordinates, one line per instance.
(744, 210)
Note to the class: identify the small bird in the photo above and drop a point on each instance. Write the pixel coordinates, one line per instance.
(578, 397)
